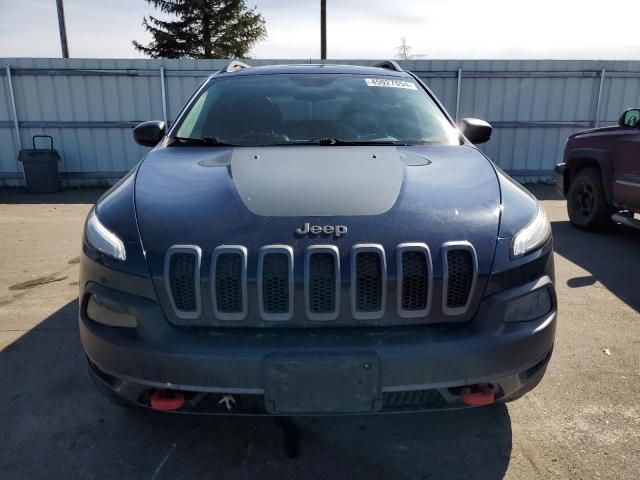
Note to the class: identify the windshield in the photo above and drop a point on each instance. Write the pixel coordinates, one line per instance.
(314, 109)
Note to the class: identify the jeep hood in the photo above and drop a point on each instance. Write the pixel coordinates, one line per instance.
(260, 196)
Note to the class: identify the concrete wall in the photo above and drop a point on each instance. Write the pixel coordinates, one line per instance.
(90, 105)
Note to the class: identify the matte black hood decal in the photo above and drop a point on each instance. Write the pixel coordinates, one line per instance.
(323, 181)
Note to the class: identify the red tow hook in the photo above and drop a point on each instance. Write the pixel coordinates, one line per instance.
(166, 400)
(483, 396)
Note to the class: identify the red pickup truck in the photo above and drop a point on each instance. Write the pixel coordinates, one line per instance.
(600, 174)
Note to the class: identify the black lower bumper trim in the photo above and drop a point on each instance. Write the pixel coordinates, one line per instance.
(411, 362)
(127, 393)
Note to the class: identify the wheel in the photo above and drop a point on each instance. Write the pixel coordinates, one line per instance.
(586, 202)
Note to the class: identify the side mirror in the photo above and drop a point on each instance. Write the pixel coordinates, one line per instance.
(476, 130)
(148, 134)
(630, 118)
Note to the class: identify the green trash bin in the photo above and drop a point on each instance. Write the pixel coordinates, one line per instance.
(40, 167)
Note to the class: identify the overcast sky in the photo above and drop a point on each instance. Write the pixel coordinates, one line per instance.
(585, 29)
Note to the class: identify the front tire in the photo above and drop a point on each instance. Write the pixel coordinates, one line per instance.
(586, 202)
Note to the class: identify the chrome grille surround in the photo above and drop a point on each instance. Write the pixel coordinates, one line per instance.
(310, 279)
(356, 250)
(276, 295)
(197, 253)
(401, 250)
(274, 284)
(447, 274)
(240, 283)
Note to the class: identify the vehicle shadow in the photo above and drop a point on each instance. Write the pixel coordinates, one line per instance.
(55, 424)
(611, 258)
(70, 196)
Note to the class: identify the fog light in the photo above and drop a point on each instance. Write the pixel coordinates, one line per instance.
(529, 307)
(102, 312)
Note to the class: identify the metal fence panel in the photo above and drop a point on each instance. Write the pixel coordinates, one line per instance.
(90, 105)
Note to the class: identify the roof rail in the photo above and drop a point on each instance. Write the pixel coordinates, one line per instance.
(389, 65)
(234, 66)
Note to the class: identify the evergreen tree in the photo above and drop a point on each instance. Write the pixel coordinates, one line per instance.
(202, 29)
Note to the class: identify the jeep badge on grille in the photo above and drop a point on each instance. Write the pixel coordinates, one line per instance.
(337, 230)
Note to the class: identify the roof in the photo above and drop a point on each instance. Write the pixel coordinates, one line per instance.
(318, 68)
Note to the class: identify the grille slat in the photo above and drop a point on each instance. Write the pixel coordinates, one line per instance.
(275, 282)
(229, 277)
(415, 280)
(368, 282)
(321, 282)
(182, 268)
(460, 276)
(182, 274)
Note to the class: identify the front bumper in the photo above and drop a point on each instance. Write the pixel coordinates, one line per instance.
(416, 368)
(558, 174)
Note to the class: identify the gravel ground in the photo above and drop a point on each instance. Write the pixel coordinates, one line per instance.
(583, 421)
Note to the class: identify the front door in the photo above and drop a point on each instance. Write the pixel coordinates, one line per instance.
(626, 164)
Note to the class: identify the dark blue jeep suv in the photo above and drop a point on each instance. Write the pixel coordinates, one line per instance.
(316, 239)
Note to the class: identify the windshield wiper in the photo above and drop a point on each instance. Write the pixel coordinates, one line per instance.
(337, 141)
(211, 141)
(215, 142)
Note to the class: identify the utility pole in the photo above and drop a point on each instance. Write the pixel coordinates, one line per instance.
(323, 29)
(404, 50)
(63, 29)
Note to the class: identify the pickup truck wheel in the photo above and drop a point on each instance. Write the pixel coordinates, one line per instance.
(586, 202)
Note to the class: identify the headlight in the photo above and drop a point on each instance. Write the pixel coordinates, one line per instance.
(532, 236)
(102, 239)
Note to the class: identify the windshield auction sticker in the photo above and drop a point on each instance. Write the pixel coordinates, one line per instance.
(386, 82)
